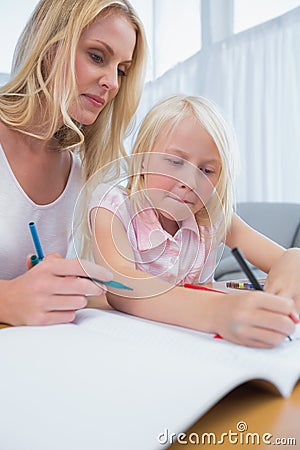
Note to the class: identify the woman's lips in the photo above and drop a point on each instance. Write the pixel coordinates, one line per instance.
(95, 100)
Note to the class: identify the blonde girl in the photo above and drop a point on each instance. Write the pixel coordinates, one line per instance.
(178, 207)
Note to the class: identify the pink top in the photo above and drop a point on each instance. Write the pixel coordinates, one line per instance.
(182, 258)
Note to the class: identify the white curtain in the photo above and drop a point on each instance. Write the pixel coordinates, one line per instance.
(254, 77)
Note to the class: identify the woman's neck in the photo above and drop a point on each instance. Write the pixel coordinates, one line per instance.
(41, 172)
(14, 140)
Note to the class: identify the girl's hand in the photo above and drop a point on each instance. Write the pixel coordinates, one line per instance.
(256, 319)
(50, 292)
(284, 276)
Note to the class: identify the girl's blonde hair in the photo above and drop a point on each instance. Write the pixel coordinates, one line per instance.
(43, 80)
(160, 121)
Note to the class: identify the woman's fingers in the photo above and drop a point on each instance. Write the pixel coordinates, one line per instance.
(72, 286)
(57, 276)
(67, 303)
(52, 318)
(51, 292)
(77, 267)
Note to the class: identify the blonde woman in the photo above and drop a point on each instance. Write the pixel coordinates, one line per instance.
(76, 82)
(164, 229)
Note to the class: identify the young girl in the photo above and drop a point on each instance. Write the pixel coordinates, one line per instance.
(164, 230)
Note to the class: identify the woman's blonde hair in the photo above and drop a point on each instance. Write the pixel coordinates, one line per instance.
(160, 121)
(44, 80)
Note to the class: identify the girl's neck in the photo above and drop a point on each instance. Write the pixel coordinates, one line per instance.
(171, 226)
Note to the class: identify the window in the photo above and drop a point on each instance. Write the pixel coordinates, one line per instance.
(13, 17)
(248, 13)
(173, 27)
(173, 30)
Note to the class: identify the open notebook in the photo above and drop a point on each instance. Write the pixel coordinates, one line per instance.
(111, 381)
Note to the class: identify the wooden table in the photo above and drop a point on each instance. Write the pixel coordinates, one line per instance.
(260, 409)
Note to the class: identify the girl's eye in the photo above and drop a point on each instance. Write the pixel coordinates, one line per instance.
(96, 58)
(122, 73)
(175, 162)
(206, 171)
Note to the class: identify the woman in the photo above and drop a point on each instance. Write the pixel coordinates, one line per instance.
(77, 79)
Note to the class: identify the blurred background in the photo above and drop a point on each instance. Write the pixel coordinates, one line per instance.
(242, 54)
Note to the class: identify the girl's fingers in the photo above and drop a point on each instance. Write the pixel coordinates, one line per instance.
(261, 320)
(274, 323)
(265, 339)
(295, 316)
(275, 303)
(262, 337)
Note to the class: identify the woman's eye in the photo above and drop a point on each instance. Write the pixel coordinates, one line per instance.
(96, 58)
(122, 73)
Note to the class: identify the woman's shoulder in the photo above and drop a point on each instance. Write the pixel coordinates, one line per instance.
(76, 172)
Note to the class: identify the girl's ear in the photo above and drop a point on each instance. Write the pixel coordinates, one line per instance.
(145, 162)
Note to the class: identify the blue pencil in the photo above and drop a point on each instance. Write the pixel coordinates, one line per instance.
(40, 256)
(112, 283)
(36, 240)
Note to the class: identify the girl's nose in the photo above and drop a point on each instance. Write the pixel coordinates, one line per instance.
(190, 179)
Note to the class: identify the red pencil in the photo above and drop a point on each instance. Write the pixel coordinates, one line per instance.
(204, 288)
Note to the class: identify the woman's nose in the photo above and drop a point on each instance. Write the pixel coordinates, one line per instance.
(110, 79)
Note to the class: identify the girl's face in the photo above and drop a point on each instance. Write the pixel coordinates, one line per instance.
(103, 57)
(182, 170)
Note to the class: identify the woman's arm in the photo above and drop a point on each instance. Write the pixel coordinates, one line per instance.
(257, 319)
(50, 292)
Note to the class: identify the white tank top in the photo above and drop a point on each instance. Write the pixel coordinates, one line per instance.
(53, 221)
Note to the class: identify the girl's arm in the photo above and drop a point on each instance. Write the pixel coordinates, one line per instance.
(283, 278)
(258, 319)
(282, 266)
(261, 251)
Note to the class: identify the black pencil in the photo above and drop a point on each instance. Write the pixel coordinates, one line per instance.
(247, 271)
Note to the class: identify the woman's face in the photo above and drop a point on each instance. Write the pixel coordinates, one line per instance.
(103, 57)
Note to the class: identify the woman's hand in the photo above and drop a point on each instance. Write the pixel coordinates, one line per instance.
(256, 319)
(50, 292)
(284, 276)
